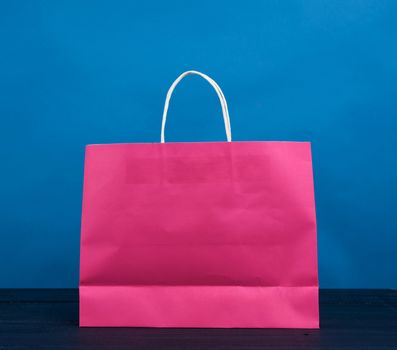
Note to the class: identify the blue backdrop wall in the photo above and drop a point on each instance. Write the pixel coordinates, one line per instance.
(80, 72)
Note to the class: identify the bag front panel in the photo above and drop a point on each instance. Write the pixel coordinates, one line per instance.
(216, 213)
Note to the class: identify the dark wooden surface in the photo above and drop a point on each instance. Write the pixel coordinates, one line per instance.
(48, 319)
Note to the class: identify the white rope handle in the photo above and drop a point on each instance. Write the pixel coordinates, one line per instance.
(219, 92)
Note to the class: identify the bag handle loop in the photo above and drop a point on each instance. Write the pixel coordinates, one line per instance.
(219, 92)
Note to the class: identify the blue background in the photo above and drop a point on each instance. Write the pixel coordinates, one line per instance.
(80, 72)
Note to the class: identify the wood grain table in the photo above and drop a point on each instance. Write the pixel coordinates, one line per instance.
(48, 319)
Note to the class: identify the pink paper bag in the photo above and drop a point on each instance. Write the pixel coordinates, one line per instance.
(201, 234)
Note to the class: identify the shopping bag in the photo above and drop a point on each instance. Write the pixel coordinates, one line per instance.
(199, 234)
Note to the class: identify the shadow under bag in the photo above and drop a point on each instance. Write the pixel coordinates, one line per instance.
(199, 234)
